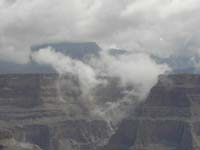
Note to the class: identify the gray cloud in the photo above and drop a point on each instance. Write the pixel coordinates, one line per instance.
(157, 27)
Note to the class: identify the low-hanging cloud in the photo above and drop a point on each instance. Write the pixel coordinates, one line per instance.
(136, 69)
(66, 65)
(137, 73)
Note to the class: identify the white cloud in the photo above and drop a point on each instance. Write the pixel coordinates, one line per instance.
(135, 25)
(137, 73)
(65, 65)
(137, 70)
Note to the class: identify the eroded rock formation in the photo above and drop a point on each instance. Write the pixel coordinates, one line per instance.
(168, 119)
(39, 112)
(32, 111)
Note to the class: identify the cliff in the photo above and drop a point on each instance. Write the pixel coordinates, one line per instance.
(32, 107)
(168, 119)
(32, 111)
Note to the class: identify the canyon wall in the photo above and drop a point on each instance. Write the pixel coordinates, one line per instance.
(33, 113)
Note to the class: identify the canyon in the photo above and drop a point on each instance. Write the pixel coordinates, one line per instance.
(37, 113)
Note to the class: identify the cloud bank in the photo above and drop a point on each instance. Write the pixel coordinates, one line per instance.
(158, 27)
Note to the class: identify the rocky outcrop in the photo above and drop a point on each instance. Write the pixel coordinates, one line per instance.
(45, 110)
(168, 119)
(7, 142)
(37, 109)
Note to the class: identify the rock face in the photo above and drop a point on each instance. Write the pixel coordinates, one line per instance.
(33, 110)
(7, 142)
(32, 107)
(168, 120)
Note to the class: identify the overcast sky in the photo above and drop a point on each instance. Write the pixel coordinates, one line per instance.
(159, 27)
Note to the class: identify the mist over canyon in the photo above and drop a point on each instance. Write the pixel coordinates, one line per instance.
(100, 101)
(99, 75)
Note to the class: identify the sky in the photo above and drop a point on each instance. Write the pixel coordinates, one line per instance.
(159, 27)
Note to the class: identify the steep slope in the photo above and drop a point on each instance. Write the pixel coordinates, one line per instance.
(168, 120)
(37, 109)
(32, 107)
